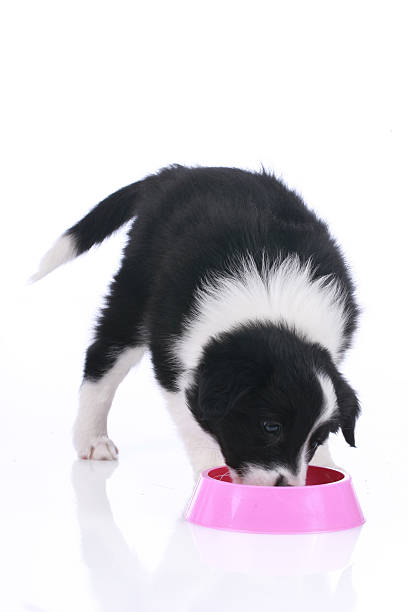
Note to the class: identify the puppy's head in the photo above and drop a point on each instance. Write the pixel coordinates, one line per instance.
(270, 399)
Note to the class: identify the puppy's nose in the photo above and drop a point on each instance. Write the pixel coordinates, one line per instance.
(281, 482)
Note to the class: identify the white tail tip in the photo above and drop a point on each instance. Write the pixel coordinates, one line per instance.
(62, 251)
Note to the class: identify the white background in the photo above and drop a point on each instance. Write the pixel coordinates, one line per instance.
(96, 95)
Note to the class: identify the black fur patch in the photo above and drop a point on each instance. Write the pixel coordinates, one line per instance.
(190, 221)
(264, 372)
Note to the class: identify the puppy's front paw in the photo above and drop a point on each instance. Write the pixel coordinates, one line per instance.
(100, 448)
(322, 457)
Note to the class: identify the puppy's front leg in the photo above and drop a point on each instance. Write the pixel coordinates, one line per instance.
(201, 448)
(322, 456)
(91, 439)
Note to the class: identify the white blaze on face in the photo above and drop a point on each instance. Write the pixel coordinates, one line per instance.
(329, 408)
(261, 476)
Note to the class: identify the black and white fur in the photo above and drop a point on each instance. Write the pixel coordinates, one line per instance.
(247, 307)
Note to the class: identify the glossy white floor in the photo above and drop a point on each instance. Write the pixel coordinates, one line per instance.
(88, 536)
(97, 95)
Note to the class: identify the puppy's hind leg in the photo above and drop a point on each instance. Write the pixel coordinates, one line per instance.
(91, 439)
(119, 345)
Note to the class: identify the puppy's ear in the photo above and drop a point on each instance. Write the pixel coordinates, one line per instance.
(217, 388)
(349, 407)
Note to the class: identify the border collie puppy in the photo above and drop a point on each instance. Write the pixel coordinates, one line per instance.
(246, 304)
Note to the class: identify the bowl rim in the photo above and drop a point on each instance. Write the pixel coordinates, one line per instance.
(346, 478)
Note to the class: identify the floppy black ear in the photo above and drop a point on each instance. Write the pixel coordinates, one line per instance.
(218, 386)
(349, 407)
(217, 390)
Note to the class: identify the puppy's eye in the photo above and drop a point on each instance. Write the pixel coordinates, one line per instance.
(271, 427)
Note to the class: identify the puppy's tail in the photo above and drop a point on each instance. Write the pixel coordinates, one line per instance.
(108, 216)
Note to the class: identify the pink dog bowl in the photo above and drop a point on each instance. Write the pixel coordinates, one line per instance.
(326, 503)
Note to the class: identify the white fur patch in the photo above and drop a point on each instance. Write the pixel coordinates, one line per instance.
(202, 450)
(284, 292)
(95, 400)
(322, 457)
(61, 252)
(329, 408)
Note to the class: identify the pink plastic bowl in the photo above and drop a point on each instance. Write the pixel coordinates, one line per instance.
(326, 503)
